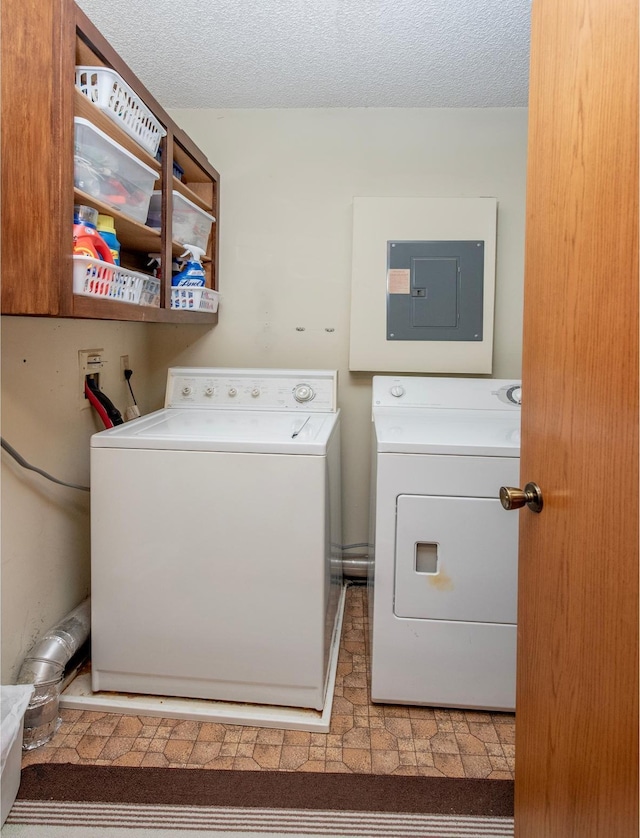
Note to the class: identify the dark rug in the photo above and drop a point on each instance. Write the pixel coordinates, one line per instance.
(266, 789)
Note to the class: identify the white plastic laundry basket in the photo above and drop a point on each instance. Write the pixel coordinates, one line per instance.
(194, 299)
(13, 703)
(110, 92)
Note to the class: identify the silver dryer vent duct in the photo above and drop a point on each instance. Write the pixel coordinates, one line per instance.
(44, 667)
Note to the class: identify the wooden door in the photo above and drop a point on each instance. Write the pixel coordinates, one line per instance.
(577, 711)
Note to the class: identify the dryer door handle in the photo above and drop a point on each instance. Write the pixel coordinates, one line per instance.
(531, 495)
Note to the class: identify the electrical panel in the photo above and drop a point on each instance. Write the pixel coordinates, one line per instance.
(435, 290)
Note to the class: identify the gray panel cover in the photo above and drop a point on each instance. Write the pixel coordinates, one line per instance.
(435, 290)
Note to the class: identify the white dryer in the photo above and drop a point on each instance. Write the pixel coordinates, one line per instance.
(443, 585)
(215, 535)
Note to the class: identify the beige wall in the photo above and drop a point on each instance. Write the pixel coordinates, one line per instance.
(45, 527)
(288, 180)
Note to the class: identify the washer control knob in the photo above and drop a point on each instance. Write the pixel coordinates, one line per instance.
(187, 391)
(397, 390)
(209, 391)
(232, 392)
(255, 392)
(303, 393)
(515, 395)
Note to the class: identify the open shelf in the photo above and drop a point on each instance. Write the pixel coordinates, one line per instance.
(109, 310)
(131, 234)
(188, 192)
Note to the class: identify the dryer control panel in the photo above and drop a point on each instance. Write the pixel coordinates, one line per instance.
(449, 393)
(313, 391)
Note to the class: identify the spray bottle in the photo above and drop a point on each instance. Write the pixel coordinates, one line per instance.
(193, 274)
(155, 263)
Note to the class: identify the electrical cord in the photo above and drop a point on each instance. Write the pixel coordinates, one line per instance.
(133, 411)
(106, 410)
(127, 375)
(21, 461)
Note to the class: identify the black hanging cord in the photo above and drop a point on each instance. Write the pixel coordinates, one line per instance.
(127, 375)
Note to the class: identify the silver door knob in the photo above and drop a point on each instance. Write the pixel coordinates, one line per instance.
(531, 495)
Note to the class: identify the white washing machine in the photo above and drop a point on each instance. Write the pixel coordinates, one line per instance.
(443, 588)
(216, 537)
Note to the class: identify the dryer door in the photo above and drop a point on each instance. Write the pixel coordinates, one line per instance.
(455, 559)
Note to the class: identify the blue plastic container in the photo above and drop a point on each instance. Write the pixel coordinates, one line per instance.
(108, 233)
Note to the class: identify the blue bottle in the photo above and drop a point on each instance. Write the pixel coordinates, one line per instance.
(192, 275)
(107, 230)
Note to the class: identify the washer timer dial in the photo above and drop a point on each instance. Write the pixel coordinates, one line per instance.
(397, 390)
(303, 393)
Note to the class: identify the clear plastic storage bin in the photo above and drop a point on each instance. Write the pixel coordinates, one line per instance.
(190, 224)
(194, 299)
(106, 89)
(108, 172)
(93, 278)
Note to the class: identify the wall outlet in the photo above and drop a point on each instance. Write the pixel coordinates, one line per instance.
(124, 365)
(90, 362)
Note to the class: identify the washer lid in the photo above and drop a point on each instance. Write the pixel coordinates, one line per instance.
(479, 433)
(238, 431)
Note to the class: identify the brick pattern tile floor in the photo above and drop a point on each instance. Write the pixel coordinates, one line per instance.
(363, 738)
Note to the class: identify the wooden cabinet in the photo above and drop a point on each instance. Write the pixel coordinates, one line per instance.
(41, 45)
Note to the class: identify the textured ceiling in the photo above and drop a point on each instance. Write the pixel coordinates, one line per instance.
(323, 53)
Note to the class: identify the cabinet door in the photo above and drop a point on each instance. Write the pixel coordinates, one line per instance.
(37, 156)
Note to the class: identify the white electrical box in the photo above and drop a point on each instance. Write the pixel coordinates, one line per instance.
(423, 284)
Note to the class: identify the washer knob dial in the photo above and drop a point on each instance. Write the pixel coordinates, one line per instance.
(209, 391)
(187, 391)
(397, 390)
(255, 392)
(303, 393)
(232, 392)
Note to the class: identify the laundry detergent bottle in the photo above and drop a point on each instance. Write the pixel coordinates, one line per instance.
(87, 241)
(192, 275)
(107, 231)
